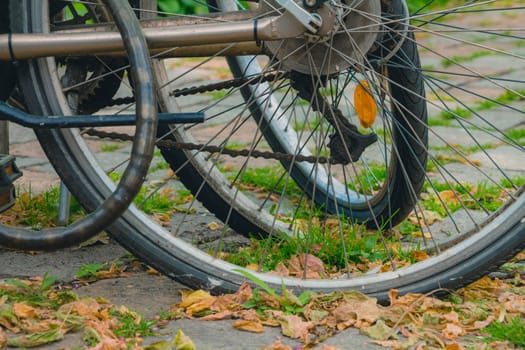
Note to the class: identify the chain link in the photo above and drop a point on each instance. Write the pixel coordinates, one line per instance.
(228, 84)
(175, 145)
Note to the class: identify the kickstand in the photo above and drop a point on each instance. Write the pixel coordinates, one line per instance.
(64, 202)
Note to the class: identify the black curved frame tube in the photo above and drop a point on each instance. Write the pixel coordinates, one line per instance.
(17, 116)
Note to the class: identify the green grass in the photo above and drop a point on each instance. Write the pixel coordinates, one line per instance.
(512, 331)
(153, 201)
(270, 179)
(438, 122)
(503, 99)
(516, 135)
(458, 112)
(218, 95)
(325, 242)
(131, 325)
(39, 210)
(110, 147)
(467, 58)
(369, 180)
(87, 271)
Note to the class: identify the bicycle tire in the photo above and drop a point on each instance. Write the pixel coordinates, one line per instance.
(473, 254)
(118, 198)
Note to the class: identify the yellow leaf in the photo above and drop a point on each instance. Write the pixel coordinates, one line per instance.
(365, 105)
(427, 235)
(183, 342)
(214, 226)
(248, 326)
(190, 297)
(454, 346)
(475, 162)
(253, 267)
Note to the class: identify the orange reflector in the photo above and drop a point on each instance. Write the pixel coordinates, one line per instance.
(365, 105)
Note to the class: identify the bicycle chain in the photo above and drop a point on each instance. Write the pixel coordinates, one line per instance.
(175, 145)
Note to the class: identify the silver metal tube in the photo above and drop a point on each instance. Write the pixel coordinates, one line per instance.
(26, 46)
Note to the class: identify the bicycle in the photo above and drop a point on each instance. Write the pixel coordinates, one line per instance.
(352, 108)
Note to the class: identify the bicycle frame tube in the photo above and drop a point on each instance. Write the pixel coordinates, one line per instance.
(161, 35)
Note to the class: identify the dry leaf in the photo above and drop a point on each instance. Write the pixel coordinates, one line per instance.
(419, 255)
(22, 310)
(3, 299)
(3, 338)
(366, 310)
(248, 326)
(294, 327)
(379, 331)
(222, 315)
(449, 196)
(215, 226)
(452, 331)
(454, 346)
(329, 347)
(88, 308)
(253, 267)
(113, 272)
(191, 297)
(392, 296)
(277, 346)
(313, 265)
(36, 339)
(427, 235)
(475, 162)
(183, 342)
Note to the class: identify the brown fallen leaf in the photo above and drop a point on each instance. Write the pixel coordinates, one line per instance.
(454, 346)
(87, 307)
(452, 331)
(295, 327)
(222, 315)
(3, 338)
(366, 310)
(113, 272)
(329, 347)
(248, 326)
(22, 310)
(277, 345)
(449, 196)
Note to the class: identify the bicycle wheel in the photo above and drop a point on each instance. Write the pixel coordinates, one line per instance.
(277, 155)
(119, 198)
